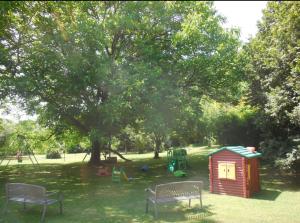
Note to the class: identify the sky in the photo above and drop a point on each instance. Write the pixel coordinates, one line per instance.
(239, 14)
(242, 14)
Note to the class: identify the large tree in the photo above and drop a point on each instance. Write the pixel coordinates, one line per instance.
(274, 74)
(274, 67)
(99, 66)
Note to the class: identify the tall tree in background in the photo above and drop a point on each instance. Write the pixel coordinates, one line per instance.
(3, 136)
(274, 72)
(99, 66)
(274, 67)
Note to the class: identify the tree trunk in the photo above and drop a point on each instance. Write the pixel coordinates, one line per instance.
(95, 153)
(157, 147)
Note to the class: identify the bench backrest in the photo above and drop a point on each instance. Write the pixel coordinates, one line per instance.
(178, 189)
(27, 191)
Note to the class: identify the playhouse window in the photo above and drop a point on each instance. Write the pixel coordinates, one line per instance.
(226, 170)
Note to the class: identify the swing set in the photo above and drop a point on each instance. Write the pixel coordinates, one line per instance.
(23, 152)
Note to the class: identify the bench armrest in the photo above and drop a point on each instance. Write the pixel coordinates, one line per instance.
(57, 193)
(50, 193)
(150, 190)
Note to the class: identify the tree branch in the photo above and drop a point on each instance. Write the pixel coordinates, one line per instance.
(81, 127)
(45, 139)
(119, 154)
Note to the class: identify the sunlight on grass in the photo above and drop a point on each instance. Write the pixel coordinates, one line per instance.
(78, 157)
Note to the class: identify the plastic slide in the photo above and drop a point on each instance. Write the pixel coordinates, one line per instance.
(179, 173)
(125, 176)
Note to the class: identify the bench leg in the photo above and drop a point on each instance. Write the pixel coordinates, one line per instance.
(189, 203)
(147, 205)
(44, 212)
(155, 211)
(60, 207)
(201, 202)
(5, 207)
(61, 198)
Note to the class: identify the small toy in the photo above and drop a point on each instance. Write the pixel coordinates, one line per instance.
(103, 171)
(145, 168)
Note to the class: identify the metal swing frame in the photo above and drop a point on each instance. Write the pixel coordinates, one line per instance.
(26, 149)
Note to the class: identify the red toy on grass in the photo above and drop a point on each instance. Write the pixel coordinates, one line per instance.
(103, 171)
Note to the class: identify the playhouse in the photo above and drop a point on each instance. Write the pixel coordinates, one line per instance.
(234, 170)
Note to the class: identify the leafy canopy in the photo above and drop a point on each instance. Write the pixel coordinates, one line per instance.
(275, 63)
(100, 66)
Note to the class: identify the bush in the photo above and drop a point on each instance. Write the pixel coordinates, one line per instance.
(177, 139)
(238, 129)
(285, 153)
(134, 140)
(76, 149)
(274, 148)
(53, 154)
(291, 162)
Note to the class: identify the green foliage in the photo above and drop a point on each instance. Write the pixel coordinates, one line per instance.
(98, 67)
(20, 136)
(72, 142)
(212, 122)
(134, 140)
(227, 124)
(53, 154)
(275, 64)
(291, 162)
(287, 152)
(76, 149)
(3, 133)
(274, 74)
(238, 126)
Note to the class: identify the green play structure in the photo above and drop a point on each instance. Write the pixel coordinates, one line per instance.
(117, 173)
(177, 160)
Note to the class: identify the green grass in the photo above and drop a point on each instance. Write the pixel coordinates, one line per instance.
(89, 198)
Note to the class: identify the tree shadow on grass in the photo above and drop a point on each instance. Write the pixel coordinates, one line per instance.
(182, 213)
(277, 180)
(9, 218)
(16, 214)
(89, 198)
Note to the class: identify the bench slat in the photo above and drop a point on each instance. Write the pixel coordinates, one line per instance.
(172, 199)
(33, 201)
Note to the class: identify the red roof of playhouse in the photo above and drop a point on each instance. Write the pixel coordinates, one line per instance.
(240, 150)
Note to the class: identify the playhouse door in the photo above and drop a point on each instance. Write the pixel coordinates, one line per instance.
(231, 171)
(222, 169)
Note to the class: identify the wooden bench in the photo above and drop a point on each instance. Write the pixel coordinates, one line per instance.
(175, 191)
(31, 194)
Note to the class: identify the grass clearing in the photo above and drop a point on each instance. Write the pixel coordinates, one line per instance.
(91, 199)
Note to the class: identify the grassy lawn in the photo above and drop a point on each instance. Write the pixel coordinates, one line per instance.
(89, 198)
